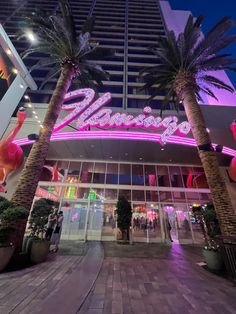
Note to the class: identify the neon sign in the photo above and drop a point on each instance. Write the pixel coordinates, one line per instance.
(90, 114)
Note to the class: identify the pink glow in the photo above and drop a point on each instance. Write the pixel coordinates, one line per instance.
(89, 114)
(122, 135)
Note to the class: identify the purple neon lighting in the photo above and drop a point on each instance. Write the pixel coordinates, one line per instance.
(123, 135)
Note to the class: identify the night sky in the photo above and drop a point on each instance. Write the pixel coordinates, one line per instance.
(212, 11)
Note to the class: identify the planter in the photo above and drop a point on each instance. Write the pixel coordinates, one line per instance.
(6, 253)
(39, 251)
(213, 259)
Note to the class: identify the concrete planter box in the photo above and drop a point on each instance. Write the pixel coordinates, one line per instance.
(5, 256)
(213, 259)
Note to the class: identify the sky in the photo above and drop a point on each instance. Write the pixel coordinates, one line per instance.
(212, 11)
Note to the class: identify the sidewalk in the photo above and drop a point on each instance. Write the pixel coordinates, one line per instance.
(147, 279)
(153, 279)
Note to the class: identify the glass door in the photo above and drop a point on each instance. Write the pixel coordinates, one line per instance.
(95, 221)
(139, 223)
(74, 220)
(109, 222)
(154, 223)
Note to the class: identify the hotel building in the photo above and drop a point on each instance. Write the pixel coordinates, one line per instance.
(87, 170)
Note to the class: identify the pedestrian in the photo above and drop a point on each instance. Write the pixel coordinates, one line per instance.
(168, 229)
(52, 220)
(55, 240)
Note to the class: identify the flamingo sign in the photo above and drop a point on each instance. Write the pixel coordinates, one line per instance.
(91, 114)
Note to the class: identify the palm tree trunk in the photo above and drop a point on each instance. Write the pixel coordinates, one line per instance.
(223, 206)
(28, 181)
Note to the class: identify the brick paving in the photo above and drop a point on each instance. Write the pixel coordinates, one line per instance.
(141, 278)
(168, 282)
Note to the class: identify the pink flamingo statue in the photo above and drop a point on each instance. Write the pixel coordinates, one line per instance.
(11, 155)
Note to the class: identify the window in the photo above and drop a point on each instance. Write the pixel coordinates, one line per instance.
(125, 174)
(137, 175)
(86, 172)
(163, 176)
(99, 173)
(150, 175)
(112, 174)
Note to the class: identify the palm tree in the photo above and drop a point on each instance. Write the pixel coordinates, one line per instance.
(182, 73)
(70, 55)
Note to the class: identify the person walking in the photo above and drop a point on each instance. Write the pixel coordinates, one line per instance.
(55, 240)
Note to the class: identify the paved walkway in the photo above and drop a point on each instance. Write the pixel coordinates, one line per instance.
(168, 282)
(142, 278)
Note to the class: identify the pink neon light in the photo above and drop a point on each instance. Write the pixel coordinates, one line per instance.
(89, 114)
(122, 135)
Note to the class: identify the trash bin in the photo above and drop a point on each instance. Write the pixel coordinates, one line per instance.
(228, 251)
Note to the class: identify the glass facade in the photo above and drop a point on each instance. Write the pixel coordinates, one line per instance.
(88, 192)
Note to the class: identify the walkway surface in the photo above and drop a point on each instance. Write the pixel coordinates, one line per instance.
(142, 278)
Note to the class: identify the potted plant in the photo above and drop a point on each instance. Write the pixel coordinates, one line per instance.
(206, 217)
(37, 246)
(10, 218)
(124, 216)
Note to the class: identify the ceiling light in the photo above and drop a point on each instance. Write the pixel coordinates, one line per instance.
(21, 86)
(81, 156)
(15, 71)
(110, 157)
(208, 130)
(36, 117)
(26, 97)
(126, 154)
(39, 121)
(162, 148)
(140, 158)
(41, 126)
(29, 105)
(8, 51)
(92, 146)
(34, 112)
(31, 36)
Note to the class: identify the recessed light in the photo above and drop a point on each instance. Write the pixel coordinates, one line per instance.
(36, 117)
(92, 146)
(140, 158)
(110, 157)
(29, 105)
(26, 97)
(21, 86)
(170, 160)
(208, 130)
(81, 156)
(126, 154)
(8, 51)
(162, 148)
(15, 71)
(34, 112)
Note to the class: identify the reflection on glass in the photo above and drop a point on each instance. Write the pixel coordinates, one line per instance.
(138, 195)
(178, 197)
(187, 175)
(73, 175)
(73, 227)
(70, 192)
(183, 222)
(110, 194)
(86, 172)
(139, 221)
(112, 174)
(165, 196)
(151, 196)
(83, 193)
(150, 175)
(126, 194)
(109, 223)
(99, 173)
(163, 176)
(137, 175)
(175, 176)
(125, 174)
(193, 197)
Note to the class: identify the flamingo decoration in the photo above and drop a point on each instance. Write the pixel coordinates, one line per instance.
(11, 155)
